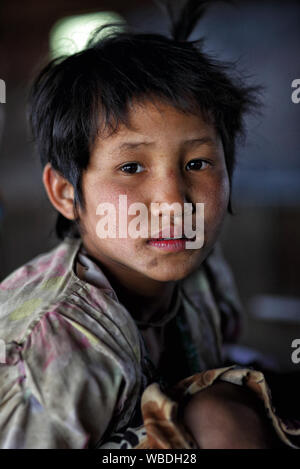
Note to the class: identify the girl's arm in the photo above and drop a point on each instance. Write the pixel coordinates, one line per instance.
(60, 387)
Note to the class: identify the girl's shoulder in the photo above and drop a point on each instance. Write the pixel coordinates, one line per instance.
(48, 287)
(37, 283)
(51, 264)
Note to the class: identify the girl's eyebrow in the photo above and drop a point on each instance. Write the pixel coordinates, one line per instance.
(130, 145)
(192, 141)
(199, 141)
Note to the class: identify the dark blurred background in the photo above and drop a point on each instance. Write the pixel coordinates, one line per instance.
(261, 241)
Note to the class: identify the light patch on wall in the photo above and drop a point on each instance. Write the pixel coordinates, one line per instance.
(70, 35)
(2, 92)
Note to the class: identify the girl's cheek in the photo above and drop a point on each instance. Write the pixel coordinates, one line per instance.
(215, 205)
(222, 189)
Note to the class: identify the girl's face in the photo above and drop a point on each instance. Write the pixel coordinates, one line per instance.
(164, 156)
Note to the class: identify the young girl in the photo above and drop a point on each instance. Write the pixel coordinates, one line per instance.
(115, 342)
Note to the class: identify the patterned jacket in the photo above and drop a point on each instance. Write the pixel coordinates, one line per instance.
(74, 369)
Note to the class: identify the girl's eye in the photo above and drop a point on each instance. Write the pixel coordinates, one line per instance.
(197, 165)
(130, 168)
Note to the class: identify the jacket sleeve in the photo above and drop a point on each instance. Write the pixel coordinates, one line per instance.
(58, 388)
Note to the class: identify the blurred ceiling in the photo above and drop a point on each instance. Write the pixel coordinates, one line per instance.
(25, 26)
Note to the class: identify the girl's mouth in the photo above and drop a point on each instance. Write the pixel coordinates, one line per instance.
(169, 244)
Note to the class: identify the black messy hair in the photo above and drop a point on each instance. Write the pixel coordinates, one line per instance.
(75, 98)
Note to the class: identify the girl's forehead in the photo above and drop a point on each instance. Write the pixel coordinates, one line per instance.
(156, 112)
(152, 121)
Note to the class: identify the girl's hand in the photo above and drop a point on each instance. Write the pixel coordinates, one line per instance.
(228, 416)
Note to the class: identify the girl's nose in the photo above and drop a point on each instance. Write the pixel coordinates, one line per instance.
(169, 191)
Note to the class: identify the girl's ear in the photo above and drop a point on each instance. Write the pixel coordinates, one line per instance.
(60, 191)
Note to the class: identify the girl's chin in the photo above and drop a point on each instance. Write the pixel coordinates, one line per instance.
(170, 276)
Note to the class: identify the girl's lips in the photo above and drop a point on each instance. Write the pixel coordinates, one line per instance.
(171, 239)
(170, 245)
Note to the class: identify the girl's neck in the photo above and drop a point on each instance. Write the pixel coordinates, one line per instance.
(145, 298)
(147, 308)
